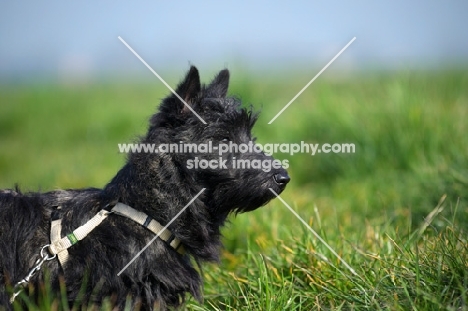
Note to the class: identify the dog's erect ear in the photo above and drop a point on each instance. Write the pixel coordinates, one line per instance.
(172, 107)
(190, 87)
(219, 86)
(188, 90)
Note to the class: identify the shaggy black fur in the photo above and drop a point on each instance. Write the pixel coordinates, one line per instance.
(159, 184)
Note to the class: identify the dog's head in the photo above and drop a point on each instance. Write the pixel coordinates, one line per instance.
(215, 146)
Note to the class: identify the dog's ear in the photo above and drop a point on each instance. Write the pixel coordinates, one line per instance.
(172, 107)
(190, 87)
(219, 86)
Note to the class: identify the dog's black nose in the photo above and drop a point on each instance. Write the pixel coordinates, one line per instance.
(282, 178)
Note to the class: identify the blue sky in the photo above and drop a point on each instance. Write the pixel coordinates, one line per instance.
(58, 39)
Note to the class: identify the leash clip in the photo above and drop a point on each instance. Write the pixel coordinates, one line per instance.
(37, 267)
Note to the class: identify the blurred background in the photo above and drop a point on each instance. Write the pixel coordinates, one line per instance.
(69, 42)
(70, 91)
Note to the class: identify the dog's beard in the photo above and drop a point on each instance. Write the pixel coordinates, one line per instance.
(230, 196)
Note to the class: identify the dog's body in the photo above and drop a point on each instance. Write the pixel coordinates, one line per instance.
(157, 184)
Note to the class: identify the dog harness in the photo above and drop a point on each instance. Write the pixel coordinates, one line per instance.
(59, 245)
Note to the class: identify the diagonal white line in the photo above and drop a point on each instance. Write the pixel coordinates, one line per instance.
(310, 82)
(161, 79)
(160, 232)
(316, 234)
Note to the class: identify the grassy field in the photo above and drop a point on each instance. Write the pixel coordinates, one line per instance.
(395, 211)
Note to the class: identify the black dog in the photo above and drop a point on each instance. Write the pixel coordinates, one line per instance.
(158, 184)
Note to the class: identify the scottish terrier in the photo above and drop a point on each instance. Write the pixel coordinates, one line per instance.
(84, 238)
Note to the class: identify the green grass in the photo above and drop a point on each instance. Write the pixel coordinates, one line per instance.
(380, 209)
